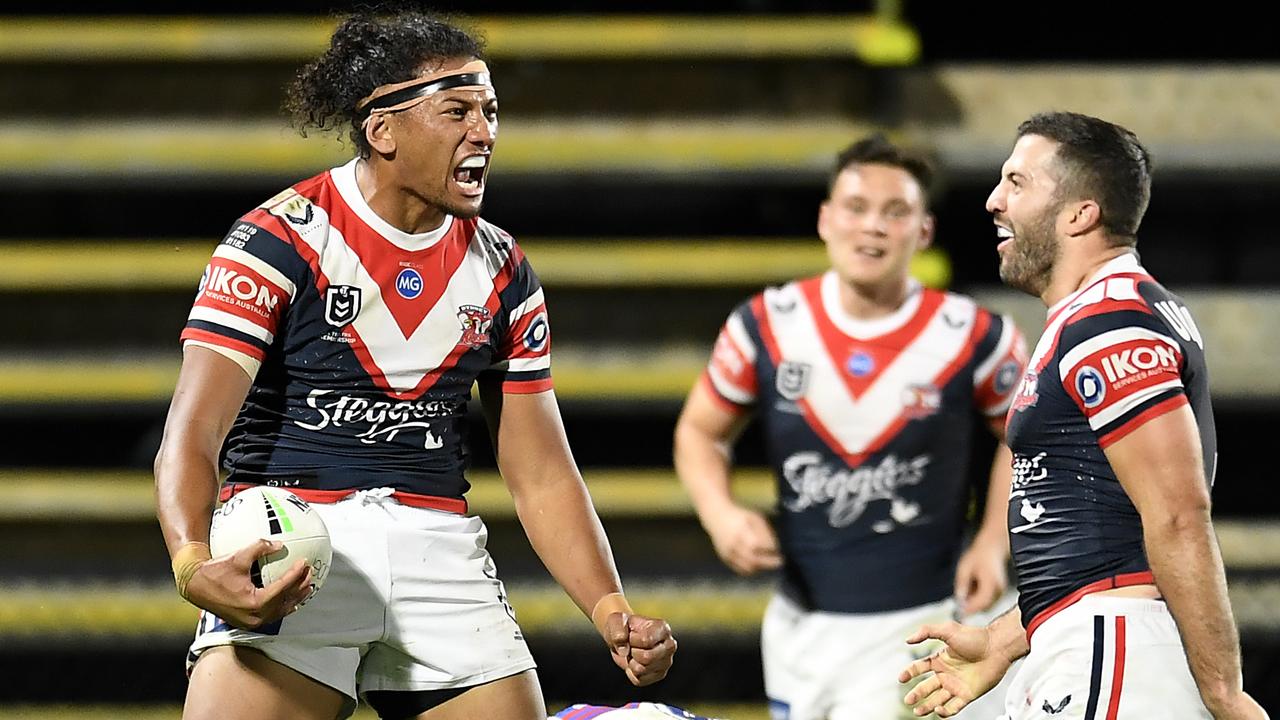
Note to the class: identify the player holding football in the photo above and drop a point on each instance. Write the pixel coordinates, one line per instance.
(333, 344)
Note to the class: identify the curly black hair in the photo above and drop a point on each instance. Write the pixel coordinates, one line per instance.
(370, 48)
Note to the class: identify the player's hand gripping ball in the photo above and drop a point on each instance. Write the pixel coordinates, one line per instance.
(275, 514)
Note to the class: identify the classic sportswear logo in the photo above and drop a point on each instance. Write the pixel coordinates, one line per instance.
(1055, 709)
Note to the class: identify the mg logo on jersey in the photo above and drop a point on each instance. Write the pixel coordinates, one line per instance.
(1134, 364)
(223, 281)
(409, 283)
(860, 364)
(793, 379)
(475, 322)
(341, 304)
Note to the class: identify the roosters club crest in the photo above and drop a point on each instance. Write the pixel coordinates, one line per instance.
(475, 322)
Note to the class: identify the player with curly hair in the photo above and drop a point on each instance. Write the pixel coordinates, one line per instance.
(331, 351)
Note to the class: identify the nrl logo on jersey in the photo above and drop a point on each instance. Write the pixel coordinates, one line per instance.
(341, 304)
(475, 322)
(792, 379)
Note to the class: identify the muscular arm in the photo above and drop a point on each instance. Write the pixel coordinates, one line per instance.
(563, 528)
(704, 437)
(209, 393)
(1160, 467)
(550, 497)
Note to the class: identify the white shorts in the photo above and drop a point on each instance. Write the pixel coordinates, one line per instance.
(844, 666)
(412, 602)
(1106, 657)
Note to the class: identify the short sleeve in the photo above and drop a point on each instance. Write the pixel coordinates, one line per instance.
(522, 358)
(1002, 357)
(244, 293)
(1122, 370)
(731, 372)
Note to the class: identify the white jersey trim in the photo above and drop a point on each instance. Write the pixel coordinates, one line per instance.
(526, 307)
(1110, 414)
(855, 423)
(741, 340)
(258, 265)
(1106, 340)
(228, 320)
(527, 364)
(728, 389)
(344, 179)
(864, 329)
(404, 362)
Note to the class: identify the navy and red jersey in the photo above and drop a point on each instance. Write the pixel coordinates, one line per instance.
(868, 426)
(365, 340)
(1119, 353)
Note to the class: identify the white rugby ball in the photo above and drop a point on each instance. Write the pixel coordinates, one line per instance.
(274, 514)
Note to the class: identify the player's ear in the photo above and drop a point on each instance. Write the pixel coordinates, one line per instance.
(824, 218)
(378, 133)
(927, 227)
(1085, 216)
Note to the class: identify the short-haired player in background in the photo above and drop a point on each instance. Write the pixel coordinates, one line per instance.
(1122, 609)
(867, 386)
(334, 343)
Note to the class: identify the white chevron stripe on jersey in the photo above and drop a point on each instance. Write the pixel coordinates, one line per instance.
(404, 362)
(528, 364)
(741, 340)
(229, 320)
(259, 266)
(728, 389)
(857, 422)
(527, 306)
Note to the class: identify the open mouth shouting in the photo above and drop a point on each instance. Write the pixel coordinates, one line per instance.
(469, 175)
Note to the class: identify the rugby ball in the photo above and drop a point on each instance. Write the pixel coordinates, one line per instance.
(274, 514)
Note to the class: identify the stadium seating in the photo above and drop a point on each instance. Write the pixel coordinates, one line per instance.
(658, 170)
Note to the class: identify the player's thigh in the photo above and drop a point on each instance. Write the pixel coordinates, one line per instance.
(517, 697)
(239, 683)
